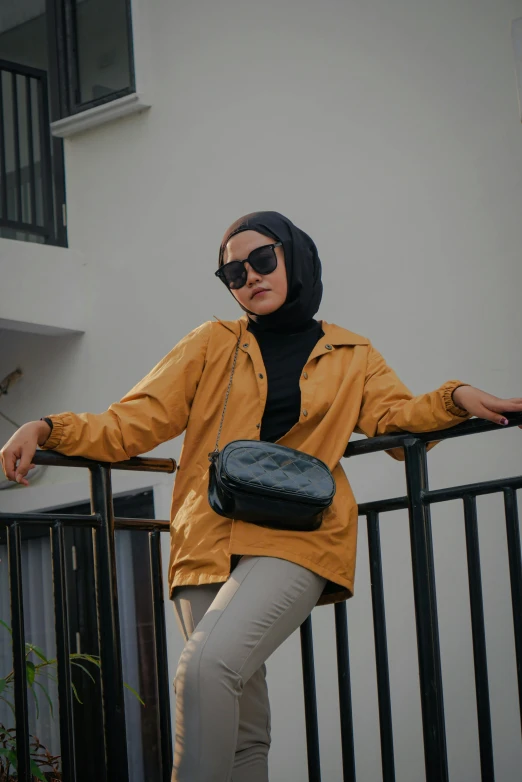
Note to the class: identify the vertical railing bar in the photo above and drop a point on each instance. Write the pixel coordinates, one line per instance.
(515, 574)
(96, 533)
(18, 166)
(113, 701)
(345, 692)
(310, 702)
(14, 548)
(3, 165)
(430, 673)
(63, 653)
(30, 148)
(479, 640)
(45, 154)
(160, 645)
(381, 648)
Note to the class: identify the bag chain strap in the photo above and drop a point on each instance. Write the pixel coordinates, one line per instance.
(215, 452)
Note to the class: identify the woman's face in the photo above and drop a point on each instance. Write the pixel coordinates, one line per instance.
(261, 294)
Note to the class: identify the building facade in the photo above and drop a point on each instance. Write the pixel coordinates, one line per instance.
(133, 133)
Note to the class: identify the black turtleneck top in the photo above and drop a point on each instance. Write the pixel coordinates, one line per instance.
(284, 356)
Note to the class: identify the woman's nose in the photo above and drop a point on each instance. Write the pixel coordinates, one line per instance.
(252, 275)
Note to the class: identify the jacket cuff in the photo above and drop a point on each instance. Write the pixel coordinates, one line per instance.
(56, 436)
(447, 397)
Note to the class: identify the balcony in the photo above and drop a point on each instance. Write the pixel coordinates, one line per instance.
(32, 203)
(32, 209)
(108, 693)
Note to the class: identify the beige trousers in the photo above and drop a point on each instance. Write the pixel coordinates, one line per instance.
(222, 706)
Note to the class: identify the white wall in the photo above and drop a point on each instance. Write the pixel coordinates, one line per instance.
(389, 132)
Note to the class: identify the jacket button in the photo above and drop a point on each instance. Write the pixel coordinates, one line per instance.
(305, 412)
(245, 344)
(258, 426)
(328, 347)
(305, 375)
(261, 376)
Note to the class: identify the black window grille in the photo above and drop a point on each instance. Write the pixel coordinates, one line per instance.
(30, 182)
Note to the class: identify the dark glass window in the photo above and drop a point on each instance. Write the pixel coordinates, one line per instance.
(103, 56)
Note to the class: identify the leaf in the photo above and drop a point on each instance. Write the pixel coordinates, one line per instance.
(11, 732)
(35, 700)
(89, 674)
(9, 704)
(37, 772)
(48, 664)
(76, 693)
(134, 693)
(38, 652)
(3, 685)
(47, 696)
(3, 624)
(10, 755)
(31, 671)
(88, 657)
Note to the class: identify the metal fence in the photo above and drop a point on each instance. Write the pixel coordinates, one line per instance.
(26, 165)
(418, 502)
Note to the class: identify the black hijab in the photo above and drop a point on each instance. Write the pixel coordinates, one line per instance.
(303, 270)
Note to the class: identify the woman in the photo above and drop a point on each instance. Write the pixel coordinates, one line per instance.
(239, 590)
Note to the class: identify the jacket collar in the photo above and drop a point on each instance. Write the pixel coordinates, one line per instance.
(335, 336)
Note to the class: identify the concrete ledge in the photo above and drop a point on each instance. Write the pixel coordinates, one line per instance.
(43, 289)
(99, 115)
(36, 328)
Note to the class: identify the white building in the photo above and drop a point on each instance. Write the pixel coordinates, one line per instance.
(387, 129)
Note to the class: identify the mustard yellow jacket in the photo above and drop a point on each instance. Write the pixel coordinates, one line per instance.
(346, 386)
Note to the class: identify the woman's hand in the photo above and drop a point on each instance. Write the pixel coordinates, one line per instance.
(484, 405)
(17, 454)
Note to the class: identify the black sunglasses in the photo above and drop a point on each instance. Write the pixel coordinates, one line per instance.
(263, 260)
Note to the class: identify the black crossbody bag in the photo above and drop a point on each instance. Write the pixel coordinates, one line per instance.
(268, 484)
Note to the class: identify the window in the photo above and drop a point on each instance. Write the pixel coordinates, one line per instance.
(32, 188)
(94, 42)
(58, 59)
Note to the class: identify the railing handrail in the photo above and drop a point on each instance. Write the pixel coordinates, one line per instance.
(368, 445)
(136, 464)
(387, 441)
(22, 70)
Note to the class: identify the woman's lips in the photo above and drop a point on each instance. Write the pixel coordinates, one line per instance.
(257, 293)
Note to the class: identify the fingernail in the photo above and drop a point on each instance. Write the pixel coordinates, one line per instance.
(504, 421)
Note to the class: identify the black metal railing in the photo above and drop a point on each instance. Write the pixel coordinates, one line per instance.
(103, 523)
(418, 502)
(30, 182)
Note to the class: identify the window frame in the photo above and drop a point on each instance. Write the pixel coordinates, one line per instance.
(65, 43)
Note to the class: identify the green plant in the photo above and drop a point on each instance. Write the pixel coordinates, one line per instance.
(36, 667)
(44, 766)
